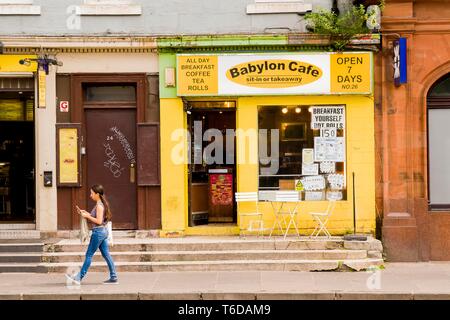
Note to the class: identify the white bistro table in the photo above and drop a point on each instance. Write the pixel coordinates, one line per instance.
(280, 201)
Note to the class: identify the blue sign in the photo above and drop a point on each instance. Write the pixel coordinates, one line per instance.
(400, 69)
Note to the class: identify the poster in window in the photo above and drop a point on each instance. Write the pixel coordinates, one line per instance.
(334, 195)
(11, 110)
(310, 169)
(313, 183)
(314, 195)
(327, 117)
(328, 167)
(329, 149)
(337, 181)
(221, 188)
(308, 156)
(29, 110)
(68, 156)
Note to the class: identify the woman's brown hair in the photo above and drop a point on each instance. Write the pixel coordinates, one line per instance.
(98, 188)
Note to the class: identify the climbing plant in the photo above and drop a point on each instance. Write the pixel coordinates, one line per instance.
(340, 28)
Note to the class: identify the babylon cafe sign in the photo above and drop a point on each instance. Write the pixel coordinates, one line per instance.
(278, 74)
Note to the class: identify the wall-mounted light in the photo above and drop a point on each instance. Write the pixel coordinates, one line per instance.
(186, 106)
(298, 110)
(43, 61)
(169, 80)
(284, 110)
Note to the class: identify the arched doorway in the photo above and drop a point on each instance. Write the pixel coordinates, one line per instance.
(438, 105)
(438, 182)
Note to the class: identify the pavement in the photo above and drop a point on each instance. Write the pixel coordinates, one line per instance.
(399, 281)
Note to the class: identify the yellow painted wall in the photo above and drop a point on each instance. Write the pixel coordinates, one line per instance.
(360, 159)
(173, 175)
(10, 63)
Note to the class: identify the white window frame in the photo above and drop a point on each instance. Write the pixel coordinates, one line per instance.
(278, 6)
(19, 8)
(109, 8)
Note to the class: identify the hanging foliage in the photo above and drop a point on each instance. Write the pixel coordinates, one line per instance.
(340, 28)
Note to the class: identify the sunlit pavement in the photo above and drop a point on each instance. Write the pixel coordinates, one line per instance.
(397, 281)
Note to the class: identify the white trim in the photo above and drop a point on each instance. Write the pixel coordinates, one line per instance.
(278, 1)
(113, 2)
(79, 42)
(279, 7)
(16, 1)
(109, 10)
(20, 9)
(16, 75)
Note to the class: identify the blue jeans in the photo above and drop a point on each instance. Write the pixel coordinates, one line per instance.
(99, 239)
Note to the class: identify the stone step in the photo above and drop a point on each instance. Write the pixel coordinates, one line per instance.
(17, 226)
(154, 246)
(21, 247)
(224, 265)
(14, 257)
(128, 234)
(212, 255)
(20, 234)
(23, 268)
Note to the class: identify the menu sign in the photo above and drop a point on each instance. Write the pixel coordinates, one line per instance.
(280, 74)
(221, 189)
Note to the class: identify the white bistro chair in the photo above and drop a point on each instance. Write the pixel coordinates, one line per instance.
(286, 197)
(253, 216)
(322, 219)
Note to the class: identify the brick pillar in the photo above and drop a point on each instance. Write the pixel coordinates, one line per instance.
(401, 145)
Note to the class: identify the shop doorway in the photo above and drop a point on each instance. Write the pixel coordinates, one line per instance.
(17, 151)
(212, 168)
(110, 112)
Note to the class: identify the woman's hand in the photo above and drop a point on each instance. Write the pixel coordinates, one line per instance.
(85, 214)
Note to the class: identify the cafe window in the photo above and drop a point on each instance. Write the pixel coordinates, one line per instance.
(302, 148)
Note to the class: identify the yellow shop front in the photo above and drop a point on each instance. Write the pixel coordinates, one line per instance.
(264, 123)
(18, 130)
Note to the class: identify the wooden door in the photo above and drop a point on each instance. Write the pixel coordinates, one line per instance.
(111, 160)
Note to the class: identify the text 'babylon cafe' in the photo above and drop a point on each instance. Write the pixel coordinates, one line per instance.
(265, 123)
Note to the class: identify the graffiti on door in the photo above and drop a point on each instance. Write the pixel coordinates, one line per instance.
(125, 144)
(112, 162)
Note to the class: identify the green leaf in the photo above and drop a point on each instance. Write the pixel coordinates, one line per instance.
(341, 29)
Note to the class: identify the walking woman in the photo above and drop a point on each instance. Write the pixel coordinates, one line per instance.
(99, 216)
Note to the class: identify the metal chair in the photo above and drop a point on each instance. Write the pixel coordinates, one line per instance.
(256, 223)
(322, 219)
(284, 197)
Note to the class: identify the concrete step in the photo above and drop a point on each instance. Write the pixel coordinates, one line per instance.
(14, 257)
(128, 234)
(224, 265)
(20, 234)
(17, 226)
(21, 247)
(212, 245)
(211, 255)
(22, 268)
